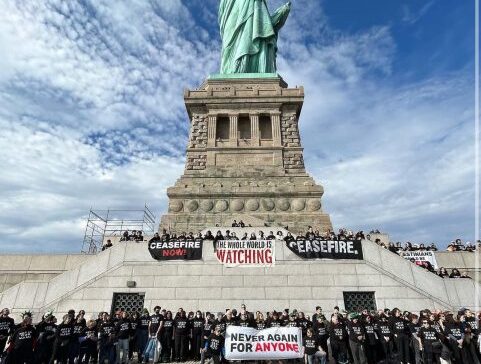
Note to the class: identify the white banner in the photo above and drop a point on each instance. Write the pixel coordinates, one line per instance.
(246, 343)
(421, 256)
(246, 253)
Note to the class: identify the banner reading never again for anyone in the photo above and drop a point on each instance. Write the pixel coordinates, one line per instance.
(327, 249)
(176, 250)
(246, 343)
(244, 253)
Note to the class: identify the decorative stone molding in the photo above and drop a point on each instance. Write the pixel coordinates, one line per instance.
(314, 205)
(283, 204)
(298, 204)
(198, 133)
(192, 205)
(221, 205)
(206, 205)
(268, 204)
(196, 161)
(252, 205)
(237, 205)
(176, 206)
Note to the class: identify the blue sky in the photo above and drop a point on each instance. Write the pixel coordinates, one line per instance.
(91, 110)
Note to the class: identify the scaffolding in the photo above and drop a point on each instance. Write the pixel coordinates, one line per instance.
(112, 223)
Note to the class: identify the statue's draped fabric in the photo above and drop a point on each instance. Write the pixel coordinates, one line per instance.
(249, 35)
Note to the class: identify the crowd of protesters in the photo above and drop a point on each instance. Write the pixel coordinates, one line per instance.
(360, 337)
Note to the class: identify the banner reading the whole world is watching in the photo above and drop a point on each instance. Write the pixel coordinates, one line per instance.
(246, 253)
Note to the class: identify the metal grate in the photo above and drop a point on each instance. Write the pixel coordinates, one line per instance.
(129, 302)
(356, 301)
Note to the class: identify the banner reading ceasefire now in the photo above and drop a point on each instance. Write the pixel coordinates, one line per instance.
(246, 343)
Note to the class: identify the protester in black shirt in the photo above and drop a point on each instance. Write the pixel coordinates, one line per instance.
(356, 338)
(166, 337)
(197, 326)
(274, 321)
(303, 323)
(219, 321)
(385, 337)
(46, 330)
(214, 346)
(338, 337)
(123, 331)
(155, 238)
(312, 348)
(399, 329)
(320, 330)
(6, 327)
(142, 333)
(292, 321)
(414, 328)
(63, 340)
(181, 336)
(370, 344)
(208, 328)
(88, 343)
(230, 319)
(22, 342)
(106, 332)
(260, 323)
(428, 337)
(78, 327)
(455, 337)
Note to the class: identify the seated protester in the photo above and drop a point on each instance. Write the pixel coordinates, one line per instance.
(123, 329)
(214, 347)
(261, 235)
(274, 321)
(234, 224)
(289, 238)
(443, 273)
(253, 236)
(88, 342)
(234, 236)
(452, 247)
(125, 236)
(392, 248)
(165, 337)
(208, 235)
(139, 236)
(245, 237)
(310, 233)
(360, 235)
(313, 349)
(371, 342)
(7, 326)
(469, 247)
(338, 340)
(190, 236)
(408, 247)
(182, 236)
(63, 340)
(433, 247)
(356, 338)
(279, 234)
(156, 237)
(271, 236)
(428, 337)
(133, 235)
(455, 273)
(22, 342)
(464, 275)
(303, 322)
(383, 329)
(107, 341)
(107, 245)
(241, 224)
(165, 236)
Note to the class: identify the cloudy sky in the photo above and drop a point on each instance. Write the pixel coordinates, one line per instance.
(92, 115)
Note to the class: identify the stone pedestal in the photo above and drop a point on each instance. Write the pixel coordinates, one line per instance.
(244, 159)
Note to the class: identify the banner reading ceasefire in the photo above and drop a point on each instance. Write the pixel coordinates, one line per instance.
(326, 249)
(244, 253)
(246, 343)
(176, 250)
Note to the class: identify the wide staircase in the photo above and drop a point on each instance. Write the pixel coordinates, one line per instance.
(207, 284)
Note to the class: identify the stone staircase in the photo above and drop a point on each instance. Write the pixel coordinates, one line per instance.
(292, 282)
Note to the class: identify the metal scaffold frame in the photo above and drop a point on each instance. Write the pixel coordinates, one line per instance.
(112, 223)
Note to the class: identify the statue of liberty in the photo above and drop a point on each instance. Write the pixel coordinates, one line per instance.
(249, 35)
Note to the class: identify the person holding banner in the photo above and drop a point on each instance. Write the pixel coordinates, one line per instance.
(260, 323)
(313, 349)
(214, 347)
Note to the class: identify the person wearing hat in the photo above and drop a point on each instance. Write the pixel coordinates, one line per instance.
(356, 338)
(337, 337)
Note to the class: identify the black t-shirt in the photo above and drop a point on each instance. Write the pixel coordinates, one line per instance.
(107, 328)
(293, 323)
(23, 338)
(181, 326)
(274, 323)
(221, 324)
(90, 337)
(134, 325)
(123, 329)
(414, 328)
(304, 324)
(311, 345)
(197, 325)
(384, 329)
(453, 330)
(320, 329)
(78, 328)
(207, 329)
(260, 325)
(355, 330)
(215, 344)
(398, 325)
(231, 322)
(64, 331)
(428, 335)
(471, 321)
(167, 328)
(6, 326)
(144, 322)
(245, 323)
(337, 332)
(155, 321)
(370, 333)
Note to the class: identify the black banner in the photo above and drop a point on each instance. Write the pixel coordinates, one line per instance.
(327, 249)
(176, 250)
